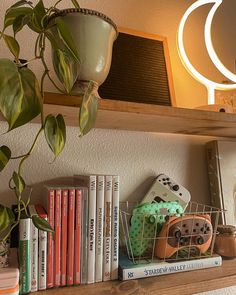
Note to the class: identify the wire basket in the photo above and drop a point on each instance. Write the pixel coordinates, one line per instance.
(167, 236)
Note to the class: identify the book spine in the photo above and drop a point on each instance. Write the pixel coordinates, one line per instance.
(99, 228)
(92, 229)
(107, 229)
(57, 243)
(84, 237)
(24, 256)
(164, 268)
(64, 229)
(50, 246)
(115, 227)
(42, 259)
(78, 199)
(34, 251)
(71, 228)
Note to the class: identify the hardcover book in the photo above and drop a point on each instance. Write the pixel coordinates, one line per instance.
(221, 159)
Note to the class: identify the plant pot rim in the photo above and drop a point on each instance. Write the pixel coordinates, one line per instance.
(86, 11)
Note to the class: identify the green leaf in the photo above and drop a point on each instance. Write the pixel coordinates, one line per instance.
(20, 22)
(55, 133)
(66, 37)
(12, 44)
(13, 13)
(20, 97)
(41, 223)
(88, 110)
(7, 217)
(19, 182)
(19, 3)
(39, 12)
(75, 3)
(5, 155)
(32, 102)
(66, 68)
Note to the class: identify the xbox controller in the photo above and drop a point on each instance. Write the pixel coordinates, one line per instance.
(184, 232)
(146, 222)
(166, 189)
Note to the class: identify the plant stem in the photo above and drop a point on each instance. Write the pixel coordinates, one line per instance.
(30, 151)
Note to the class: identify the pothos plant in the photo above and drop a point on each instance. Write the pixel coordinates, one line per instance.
(22, 94)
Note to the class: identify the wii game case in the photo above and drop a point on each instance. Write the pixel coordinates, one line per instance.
(107, 229)
(84, 238)
(57, 239)
(99, 227)
(64, 229)
(89, 181)
(115, 227)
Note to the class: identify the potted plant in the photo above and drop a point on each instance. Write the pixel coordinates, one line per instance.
(22, 95)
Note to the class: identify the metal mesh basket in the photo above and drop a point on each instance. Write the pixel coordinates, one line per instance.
(169, 237)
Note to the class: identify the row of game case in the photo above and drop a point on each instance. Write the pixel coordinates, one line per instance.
(84, 213)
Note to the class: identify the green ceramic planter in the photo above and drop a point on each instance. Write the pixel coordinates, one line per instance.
(94, 34)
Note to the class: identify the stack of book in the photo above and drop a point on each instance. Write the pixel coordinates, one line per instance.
(84, 213)
(9, 276)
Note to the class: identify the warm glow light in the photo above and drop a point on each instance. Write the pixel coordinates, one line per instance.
(210, 85)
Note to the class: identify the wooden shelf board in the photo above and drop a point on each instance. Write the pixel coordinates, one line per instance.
(131, 116)
(185, 283)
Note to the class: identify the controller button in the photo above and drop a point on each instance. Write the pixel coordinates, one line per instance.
(202, 229)
(180, 194)
(151, 219)
(186, 231)
(175, 187)
(163, 179)
(208, 228)
(197, 224)
(199, 240)
(165, 183)
(184, 225)
(194, 230)
(167, 179)
(177, 233)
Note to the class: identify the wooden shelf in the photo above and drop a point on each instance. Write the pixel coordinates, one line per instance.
(185, 283)
(122, 115)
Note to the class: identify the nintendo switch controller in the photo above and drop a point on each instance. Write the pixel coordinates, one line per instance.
(146, 222)
(184, 232)
(166, 189)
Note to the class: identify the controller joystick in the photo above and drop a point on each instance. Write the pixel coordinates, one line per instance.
(181, 232)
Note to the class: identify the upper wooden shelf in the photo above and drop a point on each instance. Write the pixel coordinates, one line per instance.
(131, 116)
(185, 283)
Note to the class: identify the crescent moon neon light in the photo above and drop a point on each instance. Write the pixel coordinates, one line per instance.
(210, 85)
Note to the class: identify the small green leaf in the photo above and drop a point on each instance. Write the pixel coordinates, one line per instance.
(20, 22)
(88, 110)
(39, 13)
(19, 182)
(13, 13)
(12, 44)
(5, 155)
(66, 37)
(66, 68)
(19, 3)
(75, 3)
(55, 133)
(7, 217)
(41, 223)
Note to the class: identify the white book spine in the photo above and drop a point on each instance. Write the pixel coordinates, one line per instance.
(115, 227)
(92, 229)
(107, 229)
(34, 251)
(42, 260)
(99, 228)
(163, 268)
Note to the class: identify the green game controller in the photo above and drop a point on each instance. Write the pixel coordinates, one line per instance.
(147, 220)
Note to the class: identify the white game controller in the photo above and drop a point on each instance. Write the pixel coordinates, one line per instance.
(166, 189)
